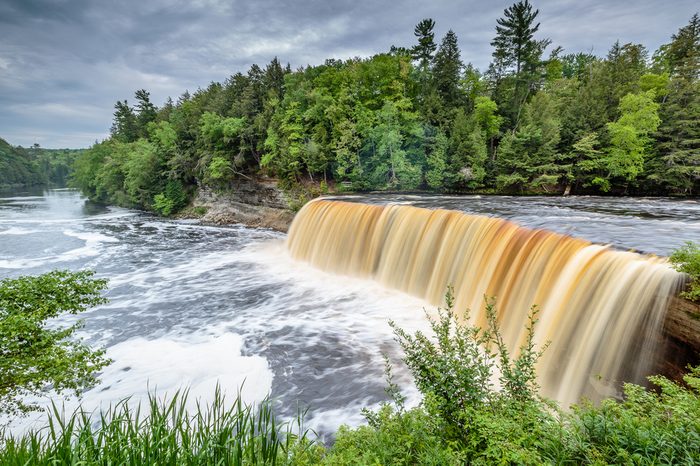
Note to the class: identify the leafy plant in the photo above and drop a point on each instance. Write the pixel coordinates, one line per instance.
(686, 259)
(171, 200)
(33, 356)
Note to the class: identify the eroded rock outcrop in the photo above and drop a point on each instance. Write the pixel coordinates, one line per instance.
(681, 339)
(256, 203)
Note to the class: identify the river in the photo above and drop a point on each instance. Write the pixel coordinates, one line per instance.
(192, 305)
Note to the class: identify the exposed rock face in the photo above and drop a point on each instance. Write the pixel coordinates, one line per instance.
(681, 345)
(252, 203)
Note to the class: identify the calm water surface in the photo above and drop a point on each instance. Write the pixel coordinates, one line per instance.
(194, 305)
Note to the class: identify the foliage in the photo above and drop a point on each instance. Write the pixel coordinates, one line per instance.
(164, 432)
(568, 121)
(34, 355)
(171, 200)
(464, 419)
(648, 427)
(629, 135)
(686, 259)
(393, 438)
(34, 165)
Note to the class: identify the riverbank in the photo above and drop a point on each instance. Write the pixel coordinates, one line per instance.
(255, 203)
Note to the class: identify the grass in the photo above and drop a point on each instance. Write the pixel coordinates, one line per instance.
(163, 433)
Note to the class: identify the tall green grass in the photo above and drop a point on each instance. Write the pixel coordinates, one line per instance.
(163, 433)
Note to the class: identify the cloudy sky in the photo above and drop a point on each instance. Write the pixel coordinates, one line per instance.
(63, 63)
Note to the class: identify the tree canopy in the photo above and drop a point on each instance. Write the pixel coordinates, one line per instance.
(539, 120)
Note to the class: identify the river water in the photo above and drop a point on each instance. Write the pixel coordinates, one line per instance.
(194, 306)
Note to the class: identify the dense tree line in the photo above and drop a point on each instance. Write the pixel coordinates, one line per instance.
(538, 120)
(34, 166)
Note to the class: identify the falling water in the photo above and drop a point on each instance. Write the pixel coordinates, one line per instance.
(600, 309)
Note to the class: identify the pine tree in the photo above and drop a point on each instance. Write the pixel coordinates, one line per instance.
(145, 110)
(517, 69)
(678, 167)
(447, 71)
(468, 151)
(423, 52)
(682, 55)
(514, 42)
(124, 125)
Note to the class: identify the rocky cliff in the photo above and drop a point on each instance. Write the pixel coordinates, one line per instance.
(680, 344)
(256, 203)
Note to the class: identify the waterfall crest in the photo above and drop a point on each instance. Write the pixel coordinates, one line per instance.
(601, 309)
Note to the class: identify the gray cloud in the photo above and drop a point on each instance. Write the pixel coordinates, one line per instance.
(63, 63)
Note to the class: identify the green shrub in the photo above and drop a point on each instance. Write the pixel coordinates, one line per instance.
(648, 427)
(393, 437)
(686, 259)
(171, 200)
(163, 205)
(219, 169)
(463, 417)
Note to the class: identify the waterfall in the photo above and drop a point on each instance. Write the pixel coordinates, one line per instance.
(600, 309)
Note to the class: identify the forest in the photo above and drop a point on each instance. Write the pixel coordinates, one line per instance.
(35, 166)
(539, 120)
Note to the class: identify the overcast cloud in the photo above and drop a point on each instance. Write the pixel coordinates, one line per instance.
(63, 63)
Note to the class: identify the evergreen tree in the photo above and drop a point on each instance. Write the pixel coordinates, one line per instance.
(438, 175)
(468, 149)
(514, 44)
(516, 68)
(622, 70)
(487, 119)
(678, 167)
(424, 50)
(124, 125)
(527, 157)
(146, 112)
(682, 56)
(447, 71)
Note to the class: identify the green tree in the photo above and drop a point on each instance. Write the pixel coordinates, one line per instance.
(585, 162)
(528, 156)
(622, 71)
(681, 57)
(468, 151)
(437, 174)
(686, 259)
(516, 67)
(125, 125)
(629, 135)
(395, 125)
(486, 117)
(35, 356)
(447, 73)
(424, 50)
(146, 112)
(514, 44)
(677, 166)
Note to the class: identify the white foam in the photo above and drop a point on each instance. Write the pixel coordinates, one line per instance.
(197, 362)
(90, 249)
(17, 231)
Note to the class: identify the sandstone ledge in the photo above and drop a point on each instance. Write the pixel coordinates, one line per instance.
(257, 204)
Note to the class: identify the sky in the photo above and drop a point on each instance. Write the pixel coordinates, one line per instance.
(64, 63)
